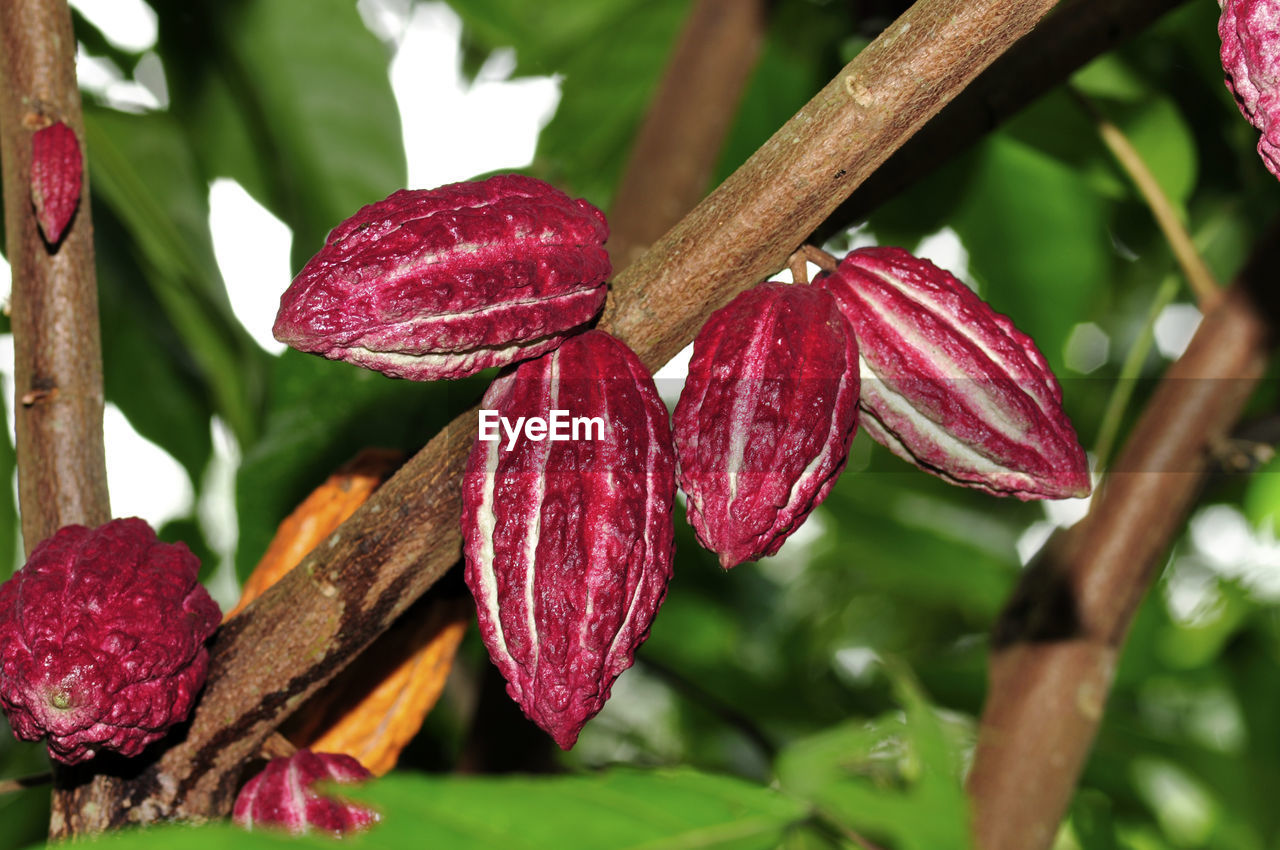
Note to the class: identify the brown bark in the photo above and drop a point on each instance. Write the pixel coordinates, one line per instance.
(301, 632)
(1058, 641)
(62, 473)
(1073, 34)
(684, 130)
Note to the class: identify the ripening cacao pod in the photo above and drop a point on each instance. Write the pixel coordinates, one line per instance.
(281, 796)
(442, 283)
(764, 421)
(56, 172)
(1250, 33)
(952, 386)
(568, 537)
(102, 638)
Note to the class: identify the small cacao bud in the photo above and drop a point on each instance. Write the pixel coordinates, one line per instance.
(56, 171)
(281, 796)
(952, 386)
(1250, 33)
(568, 542)
(764, 421)
(446, 282)
(102, 640)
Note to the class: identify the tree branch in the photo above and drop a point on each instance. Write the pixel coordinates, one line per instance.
(62, 471)
(1058, 641)
(684, 130)
(1073, 34)
(301, 632)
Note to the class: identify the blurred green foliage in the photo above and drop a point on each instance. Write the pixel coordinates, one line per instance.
(817, 698)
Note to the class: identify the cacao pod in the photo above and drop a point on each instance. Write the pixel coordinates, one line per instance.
(764, 421)
(1250, 33)
(568, 542)
(56, 173)
(281, 796)
(446, 282)
(952, 386)
(102, 638)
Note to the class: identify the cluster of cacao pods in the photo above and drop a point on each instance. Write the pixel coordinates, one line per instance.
(568, 533)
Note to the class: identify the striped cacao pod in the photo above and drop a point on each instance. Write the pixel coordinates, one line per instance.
(765, 419)
(446, 282)
(568, 542)
(952, 386)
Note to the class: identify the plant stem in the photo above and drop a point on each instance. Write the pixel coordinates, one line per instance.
(684, 129)
(1057, 642)
(22, 783)
(1203, 284)
(62, 472)
(1129, 372)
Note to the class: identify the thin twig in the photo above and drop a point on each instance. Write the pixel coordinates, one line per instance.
(1203, 284)
(22, 783)
(1058, 640)
(1129, 372)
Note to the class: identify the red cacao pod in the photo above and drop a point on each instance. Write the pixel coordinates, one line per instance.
(281, 796)
(444, 283)
(56, 173)
(1250, 33)
(952, 386)
(569, 542)
(102, 640)
(765, 419)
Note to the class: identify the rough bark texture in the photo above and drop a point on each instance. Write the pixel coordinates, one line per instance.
(683, 132)
(302, 631)
(1073, 33)
(749, 226)
(1057, 643)
(62, 473)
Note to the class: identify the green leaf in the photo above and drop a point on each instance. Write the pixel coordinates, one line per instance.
(147, 371)
(1262, 499)
(292, 99)
(897, 777)
(306, 435)
(610, 54)
(618, 810)
(142, 169)
(666, 809)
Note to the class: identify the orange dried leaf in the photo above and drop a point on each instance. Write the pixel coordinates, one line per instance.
(324, 510)
(374, 707)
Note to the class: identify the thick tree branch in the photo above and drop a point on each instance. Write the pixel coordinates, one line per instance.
(62, 472)
(1073, 34)
(1058, 642)
(302, 631)
(684, 130)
